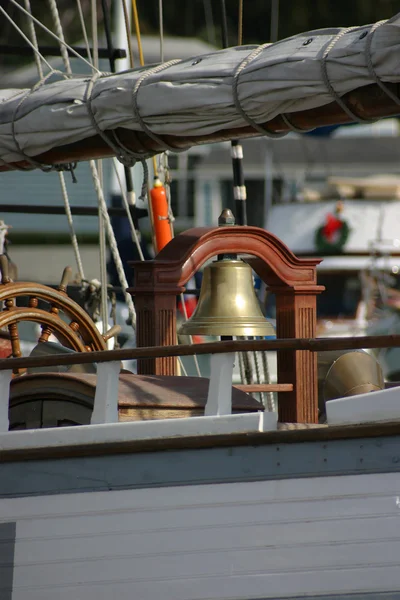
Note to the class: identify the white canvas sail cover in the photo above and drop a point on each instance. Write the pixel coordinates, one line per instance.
(196, 96)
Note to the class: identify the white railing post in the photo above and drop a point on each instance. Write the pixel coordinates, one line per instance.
(5, 380)
(105, 408)
(219, 399)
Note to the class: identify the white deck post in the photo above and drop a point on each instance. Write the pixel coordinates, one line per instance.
(105, 408)
(5, 380)
(219, 399)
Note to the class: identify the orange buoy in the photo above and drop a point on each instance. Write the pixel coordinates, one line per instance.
(159, 207)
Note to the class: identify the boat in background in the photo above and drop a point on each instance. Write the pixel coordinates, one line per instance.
(361, 273)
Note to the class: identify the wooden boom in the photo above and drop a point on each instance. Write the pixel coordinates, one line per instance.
(369, 103)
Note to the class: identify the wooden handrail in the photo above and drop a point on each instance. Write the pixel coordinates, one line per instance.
(251, 388)
(310, 344)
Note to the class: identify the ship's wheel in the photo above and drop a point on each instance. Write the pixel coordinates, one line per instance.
(60, 316)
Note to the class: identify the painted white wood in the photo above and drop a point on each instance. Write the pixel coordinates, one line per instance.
(383, 405)
(5, 380)
(137, 430)
(105, 409)
(269, 539)
(219, 399)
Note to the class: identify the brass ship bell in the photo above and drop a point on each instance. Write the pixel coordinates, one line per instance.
(228, 304)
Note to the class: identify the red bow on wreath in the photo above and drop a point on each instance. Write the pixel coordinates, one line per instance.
(332, 225)
(331, 237)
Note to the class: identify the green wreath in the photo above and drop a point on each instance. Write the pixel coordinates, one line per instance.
(325, 246)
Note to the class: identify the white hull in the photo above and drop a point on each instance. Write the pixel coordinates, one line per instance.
(300, 537)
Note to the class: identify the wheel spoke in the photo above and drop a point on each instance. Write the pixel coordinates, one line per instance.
(33, 302)
(15, 342)
(74, 326)
(46, 333)
(15, 346)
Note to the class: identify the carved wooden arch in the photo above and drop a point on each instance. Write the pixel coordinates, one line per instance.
(294, 281)
(187, 252)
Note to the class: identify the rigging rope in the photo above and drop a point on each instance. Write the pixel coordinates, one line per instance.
(161, 18)
(137, 32)
(49, 32)
(128, 32)
(84, 32)
(101, 219)
(59, 30)
(370, 65)
(164, 155)
(67, 207)
(28, 41)
(74, 239)
(240, 23)
(134, 234)
(94, 35)
(327, 82)
(32, 30)
(112, 241)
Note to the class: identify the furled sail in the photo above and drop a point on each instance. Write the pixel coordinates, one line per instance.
(216, 96)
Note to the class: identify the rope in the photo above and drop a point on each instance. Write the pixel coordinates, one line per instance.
(185, 316)
(141, 57)
(83, 27)
(144, 196)
(269, 403)
(240, 23)
(32, 30)
(59, 31)
(370, 66)
(137, 31)
(134, 234)
(28, 41)
(125, 156)
(135, 92)
(258, 374)
(161, 13)
(325, 78)
(235, 93)
(145, 187)
(241, 366)
(102, 258)
(288, 122)
(74, 239)
(112, 241)
(128, 32)
(38, 56)
(329, 86)
(34, 163)
(49, 32)
(164, 168)
(34, 45)
(101, 221)
(94, 34)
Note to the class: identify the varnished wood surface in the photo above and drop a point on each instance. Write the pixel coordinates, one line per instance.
(251, 388)
(312, 344)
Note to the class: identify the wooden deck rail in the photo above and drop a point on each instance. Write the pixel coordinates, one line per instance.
(225, 347)
(219, 400)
